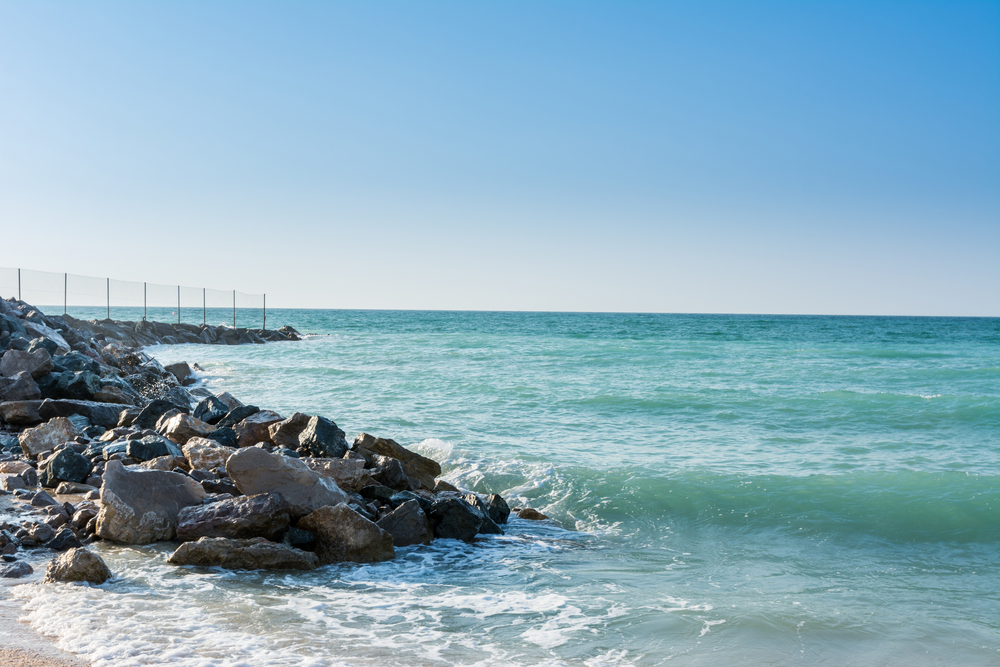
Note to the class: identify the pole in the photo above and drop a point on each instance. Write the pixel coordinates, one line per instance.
(265, 312)
(204, 308)
(144, 302)
(19, 284)
(234, 309)
(65, 290)
(109, 298)
(178, 304)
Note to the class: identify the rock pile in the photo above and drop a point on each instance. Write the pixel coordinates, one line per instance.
(150, 457)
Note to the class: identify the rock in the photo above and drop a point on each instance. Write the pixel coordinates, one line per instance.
(38, 330)
(321, 437)
(83, 515)
(456, 519)
(15, 570)
(13, 467)
(75, 361)
(420, 467)
(151, 447)
(79, 386)
(252, 554)
(64, 539)
(141, 506)
(43, 344)
(531, 514)
(231, 401)
(349, 474)
(101, 414)
(377, 492)
(152, 412)
(36, 363)
(12, 483)
(263, 515)
(390, 473)
(441, 485)
(236, 415)
(286, 432)
(255, 428)
(174, 463)
(181, 427)
(408, 525)
(497, 508)
(20, 413)
(47, 436)
(344, 535)
(182, 371)
(218, 486)
(67, 466)
(21, 387)
(205, 454)
(30, 477)
(210, 410)
(40, 532)
(75, 565)
(254, 471)
(225, 437)
(67, 488)
(401, 497)
(302, 539)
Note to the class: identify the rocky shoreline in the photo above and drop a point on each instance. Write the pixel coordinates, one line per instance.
(99, 441)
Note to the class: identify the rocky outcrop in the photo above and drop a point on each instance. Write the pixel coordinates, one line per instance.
(408, 525)
(141, 506)
(42, 438)
(416, 466)
(77, 565)
(264, 515)
(252, 554)
(255, 471)
(344, 535)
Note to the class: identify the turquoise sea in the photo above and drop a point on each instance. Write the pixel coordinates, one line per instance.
(726, 490)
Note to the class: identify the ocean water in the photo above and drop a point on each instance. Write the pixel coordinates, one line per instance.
(725, 490)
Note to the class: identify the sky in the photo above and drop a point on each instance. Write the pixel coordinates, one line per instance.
(695, 157)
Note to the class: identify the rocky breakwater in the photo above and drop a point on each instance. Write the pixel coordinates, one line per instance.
(147, 457)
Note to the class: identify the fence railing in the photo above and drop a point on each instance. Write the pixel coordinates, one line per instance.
(87, 297)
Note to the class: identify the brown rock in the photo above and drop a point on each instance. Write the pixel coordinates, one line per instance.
(408, 525)
(286, 432)
(205, 454)
(256, 428)
(182, 427)
(231, 401)
(254, 471)
(414, 465)
(13, 467)
(349, 474)
(344, 535)
(441, 485)
(252, 554)
(21, 413)
(43, 438)
(264, 515)
(77, 565)
(36, 363)
(531, 514)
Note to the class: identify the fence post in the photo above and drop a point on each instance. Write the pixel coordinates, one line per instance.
(19, 284)
(265, 312)
(178, 304)
(109, 298)
(65, 290)
(234, 309)
(204, 307)
(144, 302)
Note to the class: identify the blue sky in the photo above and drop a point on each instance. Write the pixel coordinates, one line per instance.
(779, 157)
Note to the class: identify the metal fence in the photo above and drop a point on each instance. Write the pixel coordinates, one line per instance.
(86, 297)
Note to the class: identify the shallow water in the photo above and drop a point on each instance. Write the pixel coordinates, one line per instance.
(728, 490)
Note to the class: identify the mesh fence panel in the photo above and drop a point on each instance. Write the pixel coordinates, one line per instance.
(87, 297)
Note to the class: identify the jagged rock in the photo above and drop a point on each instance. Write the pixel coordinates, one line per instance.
(43, 344)
(236, 415)
(182, 371)
(255, 428)
(75, 361)
(456, 519)
(349, 474)
(20, 413)
(141, 506)
(441, 485)
(77, 564)
(205, 454)
(531, 514)
(219, 487)
(182, 427)
(20, 387)
(40, 532)
(40, 330)
(344, 535)
(64, 539)
(66, 466)
(210, 410)
(15, 570)
(172, 463)
(151, 447)
(322, 437)
(231, 401)
(36, 363)
(225, 437)
(286, 432)
(408, 524)
(419, 467)
(254, 471)
(263, 515)
(12, 483)
(30, 477)
(390, 473)
(152, 413)
(252, 554)
(47, 436)
(497, 508)
(78, 386)
(101, 414)
(13, 467)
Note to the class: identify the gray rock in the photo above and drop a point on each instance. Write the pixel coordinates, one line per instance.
(223, 436)
(47, 436)
(390, 473)
(101, 414)
(15, 570)
(286, 432)
(456, 519)
(152, 412)
(151, 447)
(344, 535)
(36, 363)
(497, 508)
(21, 387)
(253, 554)
(77, 565)
(75, 361)
(408, 525)
(236, 415)
(322, 437)
(264, 515)
(20, 413)
(211, 410)
(38, 329)
(255, 471)
(256, 428)
(141, 506)
(206, 454)
(64, 539)
(79, 386)
(66, 466)
(182, 427)
(182, 371)
(423, 469)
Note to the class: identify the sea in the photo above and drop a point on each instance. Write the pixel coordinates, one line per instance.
(723, 490)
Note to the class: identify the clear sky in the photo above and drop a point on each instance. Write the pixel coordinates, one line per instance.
(764, 157)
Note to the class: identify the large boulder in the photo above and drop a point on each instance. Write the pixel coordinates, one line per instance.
(99, 414)
(408, 525)
(182, 371)
(253, 554)
(39, 330)
(497, 508)
(263, 515)
(349, 474)
(15, 570)
(254, 471)
(141, 506)
(236, 415)
(322, 437)
(20, 413)
(419, 467)
(77, 565)
(75, 361)
(488, 526)
(182, 427)
(66, 466)
(286, 432)
(211, 410)
(205, 454)
(152, 413)
(455, 519)
(344, 535)
(36, 363)
(20, 387)
(79, 386)
(256, 428)
(390, 473)
(47, 436)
